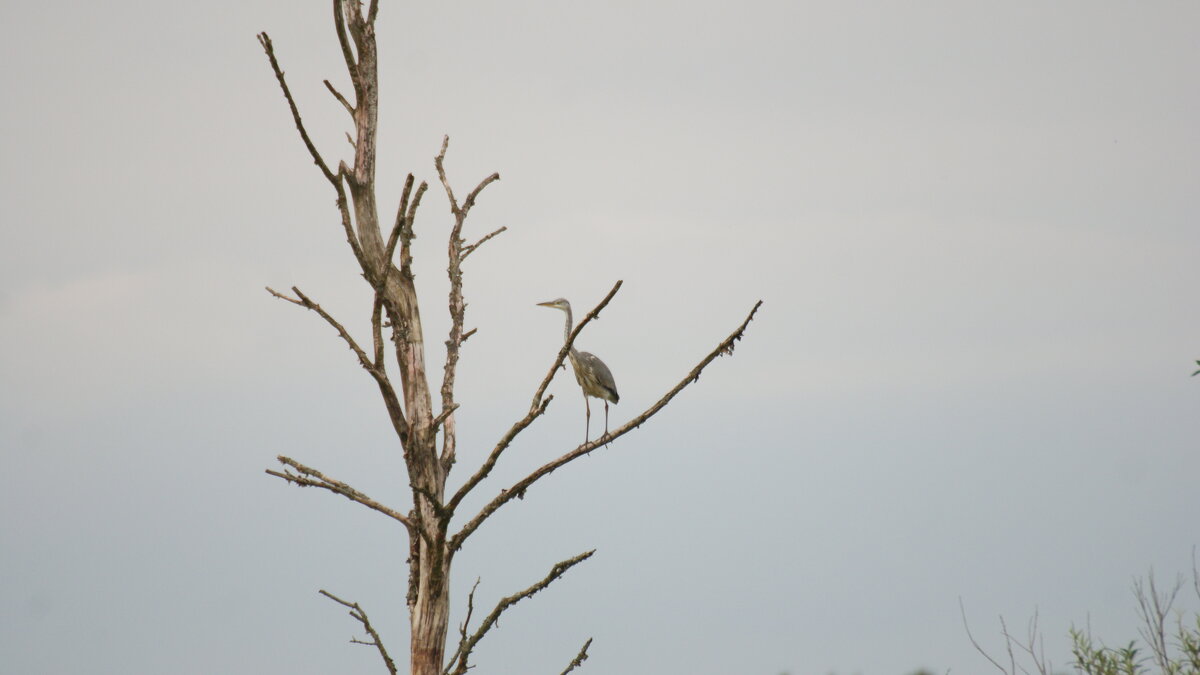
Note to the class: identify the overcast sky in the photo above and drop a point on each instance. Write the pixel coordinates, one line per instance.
(973, 226)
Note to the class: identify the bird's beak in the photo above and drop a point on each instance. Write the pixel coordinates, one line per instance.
(545, 304)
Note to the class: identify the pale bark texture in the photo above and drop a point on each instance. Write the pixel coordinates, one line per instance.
(386, 264)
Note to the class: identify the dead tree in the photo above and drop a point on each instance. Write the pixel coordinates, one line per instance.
(432, 522)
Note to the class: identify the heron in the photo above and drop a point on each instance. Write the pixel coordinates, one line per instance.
(590, 372)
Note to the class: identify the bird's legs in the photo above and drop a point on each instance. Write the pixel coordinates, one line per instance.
(587, 425)
(606, 418)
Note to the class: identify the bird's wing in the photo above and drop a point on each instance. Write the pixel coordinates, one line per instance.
(601, 375)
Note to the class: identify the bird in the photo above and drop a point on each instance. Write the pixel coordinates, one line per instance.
(590, 372)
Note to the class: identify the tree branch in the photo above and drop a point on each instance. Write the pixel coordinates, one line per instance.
(456, 304)
(444, 414)
(462, 627)
(339, 21)
(963, 610)
(518, 489)
(408, 234)
(475, 193)
(439, 164)
(412, 208)
(401, 229)
(464, 652)
(361, 616)
(341, 99)
(374, 368)
(579, 658)
(269, 48)
(377, 327)
(307, 303)
(1153, 609)
(467, 250)
(310, 477)
(334, 179)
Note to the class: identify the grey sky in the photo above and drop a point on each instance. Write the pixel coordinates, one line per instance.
(974, 229)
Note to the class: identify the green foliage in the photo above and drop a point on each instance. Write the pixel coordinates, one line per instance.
(1189, 646)
(1169, 645)
(1093, 660)
(1174, 652)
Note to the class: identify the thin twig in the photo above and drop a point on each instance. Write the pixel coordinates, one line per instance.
(361, 616)
(963, 610)
(309, 477)
(468, 250)
(439, 164)
(462, 627)
(341, 99)
(556, 572)
(374, 368)
(1037, 655)
(1153, 608)
(267, 46)
(579, 658)
(518, 489)
(334, 179)
(307, 303)
(416, 200)
(1008, 645)
(444, 414)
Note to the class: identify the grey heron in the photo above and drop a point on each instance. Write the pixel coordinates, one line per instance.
(593, 376)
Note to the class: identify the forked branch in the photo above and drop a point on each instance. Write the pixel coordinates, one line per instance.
(439, 163)
(518, 489)
(361, 616)
(456, 252)
(463, 653)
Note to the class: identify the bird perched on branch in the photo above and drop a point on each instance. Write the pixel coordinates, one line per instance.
(593, 376)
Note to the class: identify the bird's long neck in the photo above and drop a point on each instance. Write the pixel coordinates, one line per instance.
(567, 328)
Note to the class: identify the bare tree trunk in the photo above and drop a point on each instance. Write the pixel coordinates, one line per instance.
(430, 617)
(432, 544)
